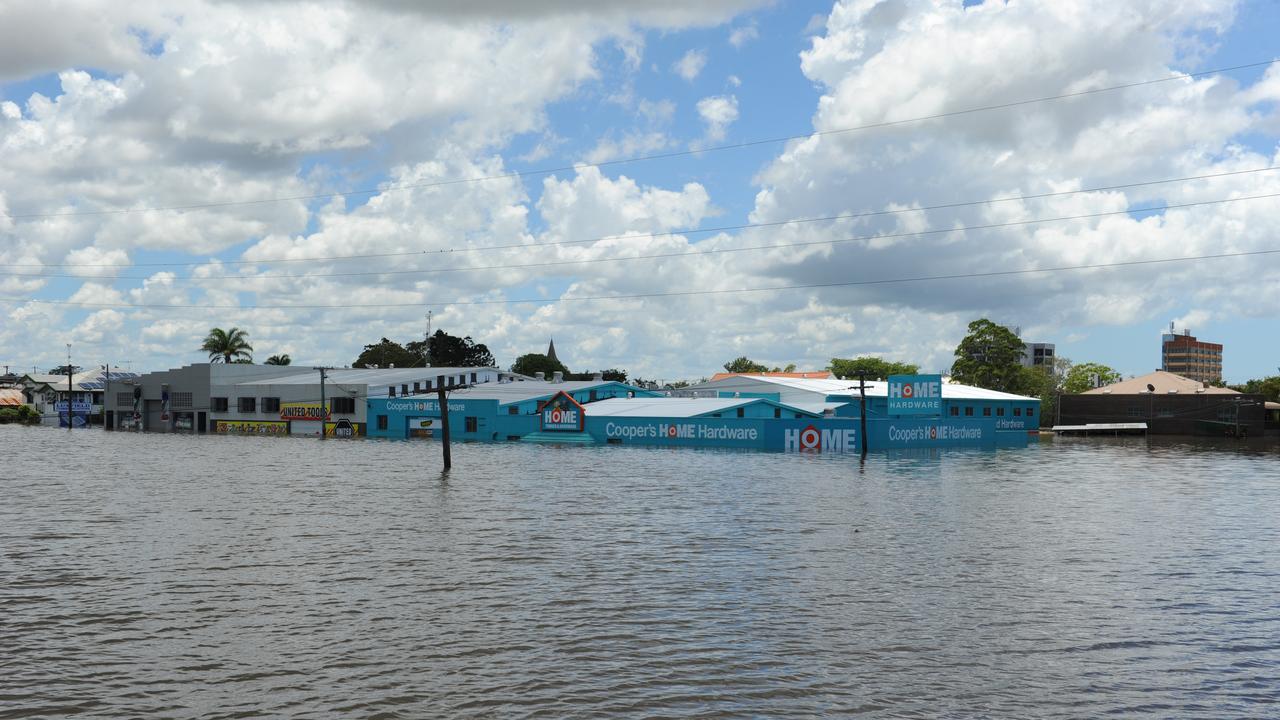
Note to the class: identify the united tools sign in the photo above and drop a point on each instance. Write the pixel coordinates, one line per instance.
(562, 414)
(303, 411)
(915, 394)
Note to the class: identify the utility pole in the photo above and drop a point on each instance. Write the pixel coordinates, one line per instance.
(324, 409)
(70, 414)
(862, 407)
(106, 393)
(444, 420)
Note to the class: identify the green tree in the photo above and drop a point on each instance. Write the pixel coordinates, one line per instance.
(1268, 387)
(745, 365)
(227, 346)
(1042, 383)
(282, 359)
(875, 368)
(990, 357)
(1080, 377)
(386, 353)
(615, 375)
(445, 350)
(533, 363)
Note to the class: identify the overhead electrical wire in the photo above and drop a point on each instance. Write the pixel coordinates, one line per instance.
(645, 158)
(694, 251)
(638, 296)
(670, 233)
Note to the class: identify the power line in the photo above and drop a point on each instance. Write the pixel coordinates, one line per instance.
(638, 296)
(684, 253)
(650, 157)
(563, 243)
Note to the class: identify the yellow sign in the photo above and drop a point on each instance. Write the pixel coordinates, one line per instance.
(303, 411)
(344, 428)
(251, 427)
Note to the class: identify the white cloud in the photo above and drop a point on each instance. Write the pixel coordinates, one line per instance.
(690, 65)
(718, 112)
(743, 35)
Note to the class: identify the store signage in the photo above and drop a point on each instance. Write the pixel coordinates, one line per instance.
(918, 435)
(562, 414)
(344, 429)
(679, 431)
(251, 427)
(915, 394)
(814, 440)
(304, 411)
(77, 406)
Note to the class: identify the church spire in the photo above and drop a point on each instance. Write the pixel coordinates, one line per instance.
(551, 350)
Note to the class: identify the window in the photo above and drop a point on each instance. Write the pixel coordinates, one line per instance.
(1030, 412)
(180, 399)
(1017, 412)
(777, 412)
(470, 424)
(391, 391)
(986, 412)
(218, 404)
(592, 396)
(342, 406)
(124, 399)
(742, 412)
(473, 377)
(404, 389)
(428, 384)
(955, 410)
(417, 387)
(247, 404)
(513, 410)
(382, 422)
(1135, 411)
(968, 412)
(999, 412)
(270, 404)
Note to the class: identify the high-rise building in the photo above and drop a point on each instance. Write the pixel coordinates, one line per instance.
(1037, 354)
(1186, 356)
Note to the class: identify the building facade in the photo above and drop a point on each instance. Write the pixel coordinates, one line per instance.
(1182, 354)
(1038, 354)
(1169, 404)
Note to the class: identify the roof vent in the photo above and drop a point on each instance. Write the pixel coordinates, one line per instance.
(557, 377)
(598, 376)
(540, 375)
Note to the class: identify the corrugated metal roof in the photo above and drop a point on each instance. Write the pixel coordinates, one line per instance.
(515, 392)
(682, 407)
(11, 396)
(363, 376)
(875, 388)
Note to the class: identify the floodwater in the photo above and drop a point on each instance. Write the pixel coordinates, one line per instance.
(221, 577)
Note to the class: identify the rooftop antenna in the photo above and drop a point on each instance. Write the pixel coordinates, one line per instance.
(428, 337)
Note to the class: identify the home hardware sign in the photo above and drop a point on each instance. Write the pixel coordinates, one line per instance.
(562, 414)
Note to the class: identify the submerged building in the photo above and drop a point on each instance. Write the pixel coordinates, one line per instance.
(1168, 404)
(746, 411)
(271, 400)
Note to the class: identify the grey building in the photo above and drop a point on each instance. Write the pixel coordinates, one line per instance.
(271, 400)
(1037, 354)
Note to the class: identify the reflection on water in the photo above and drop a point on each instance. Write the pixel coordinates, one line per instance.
(212, 577)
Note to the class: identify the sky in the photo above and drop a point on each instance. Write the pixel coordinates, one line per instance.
(661, 186)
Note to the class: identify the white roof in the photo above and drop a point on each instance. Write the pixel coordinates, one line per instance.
(664, 406)
(290, 375)
(791, 389)
(514, 392)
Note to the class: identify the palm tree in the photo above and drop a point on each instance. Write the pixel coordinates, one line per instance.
(227, 345)
(279, 359)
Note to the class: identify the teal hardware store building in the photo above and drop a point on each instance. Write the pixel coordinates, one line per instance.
(748, 412)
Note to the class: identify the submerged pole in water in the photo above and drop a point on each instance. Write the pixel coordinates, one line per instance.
(862, 408)
(444, 420)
